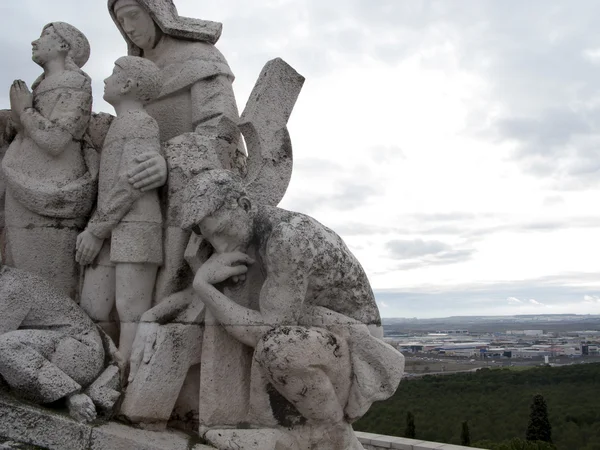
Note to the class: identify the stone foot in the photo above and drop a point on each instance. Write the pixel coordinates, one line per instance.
(81, 408)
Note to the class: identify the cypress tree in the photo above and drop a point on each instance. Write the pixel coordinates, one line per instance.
(539, 428)
(465, 435)
(410, 432)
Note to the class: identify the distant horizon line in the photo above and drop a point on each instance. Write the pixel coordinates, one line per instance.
(494, 315)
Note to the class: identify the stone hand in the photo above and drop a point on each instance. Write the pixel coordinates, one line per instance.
(222, 266)
(88, 247)
(21, 97)
(150, 173)
(144, 346)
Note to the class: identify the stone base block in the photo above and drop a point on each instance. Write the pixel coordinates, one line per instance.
(251, 440)
(51, 430)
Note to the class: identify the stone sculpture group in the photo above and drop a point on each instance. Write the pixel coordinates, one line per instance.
(147, 273)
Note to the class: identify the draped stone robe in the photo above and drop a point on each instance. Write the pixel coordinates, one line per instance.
(51, 180)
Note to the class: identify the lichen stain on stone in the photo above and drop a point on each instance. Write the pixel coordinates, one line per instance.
(283, 411)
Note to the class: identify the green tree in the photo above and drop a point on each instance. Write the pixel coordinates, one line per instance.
(539, 428)
(465, 435)
(410, 431)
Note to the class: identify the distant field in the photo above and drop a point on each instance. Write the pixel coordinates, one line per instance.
(482, 325)
(496, 405)
(420, 364)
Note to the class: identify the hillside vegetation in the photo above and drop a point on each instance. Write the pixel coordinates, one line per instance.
(496, 404)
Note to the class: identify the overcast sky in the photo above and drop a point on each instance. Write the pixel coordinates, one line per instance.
(455, 145)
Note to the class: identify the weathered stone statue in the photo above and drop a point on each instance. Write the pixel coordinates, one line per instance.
(50, 175)
(123, 239)
(50, 168)
(195, 110)
(217, 392)
(50, 349)
(252, 325)
(319, 362)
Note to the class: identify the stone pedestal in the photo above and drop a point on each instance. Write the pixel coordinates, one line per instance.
(50, 430)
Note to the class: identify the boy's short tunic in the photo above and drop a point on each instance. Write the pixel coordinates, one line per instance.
(131, 218)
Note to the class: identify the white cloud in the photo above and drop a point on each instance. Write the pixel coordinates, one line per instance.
(592, 55)
(514, 301)
(593, 299)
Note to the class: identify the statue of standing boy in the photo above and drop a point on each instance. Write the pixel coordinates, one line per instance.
(124, 236)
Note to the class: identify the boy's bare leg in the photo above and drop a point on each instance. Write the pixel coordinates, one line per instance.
(98, 297)
(134, 289)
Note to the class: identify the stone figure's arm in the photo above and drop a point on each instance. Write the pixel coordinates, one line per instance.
(123, 195)
(214, 111)
(289, 258)
(171, 307)
(244, 324)
(68, 121)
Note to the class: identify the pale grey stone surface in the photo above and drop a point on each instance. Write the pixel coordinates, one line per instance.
(49, 172)
(50, 349)
(28, 424)
(153, 392)
(263, 124)
(372, 441)
(251, 440)
(427, 445)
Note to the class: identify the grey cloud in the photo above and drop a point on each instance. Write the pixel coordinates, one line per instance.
(489, 298)
(386, 154)
(361, 229)
(531, 55)
(348, 196)
(441, 230)
(408, 249)
(457, 216)
(553, 200)
(352, 195)
(418, 253)
(536, 226)
(440, 259)
(316, 166)
(546, 135)
(463, 226)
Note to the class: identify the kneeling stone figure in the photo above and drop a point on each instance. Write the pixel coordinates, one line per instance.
(51, 350)
(319, 361)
